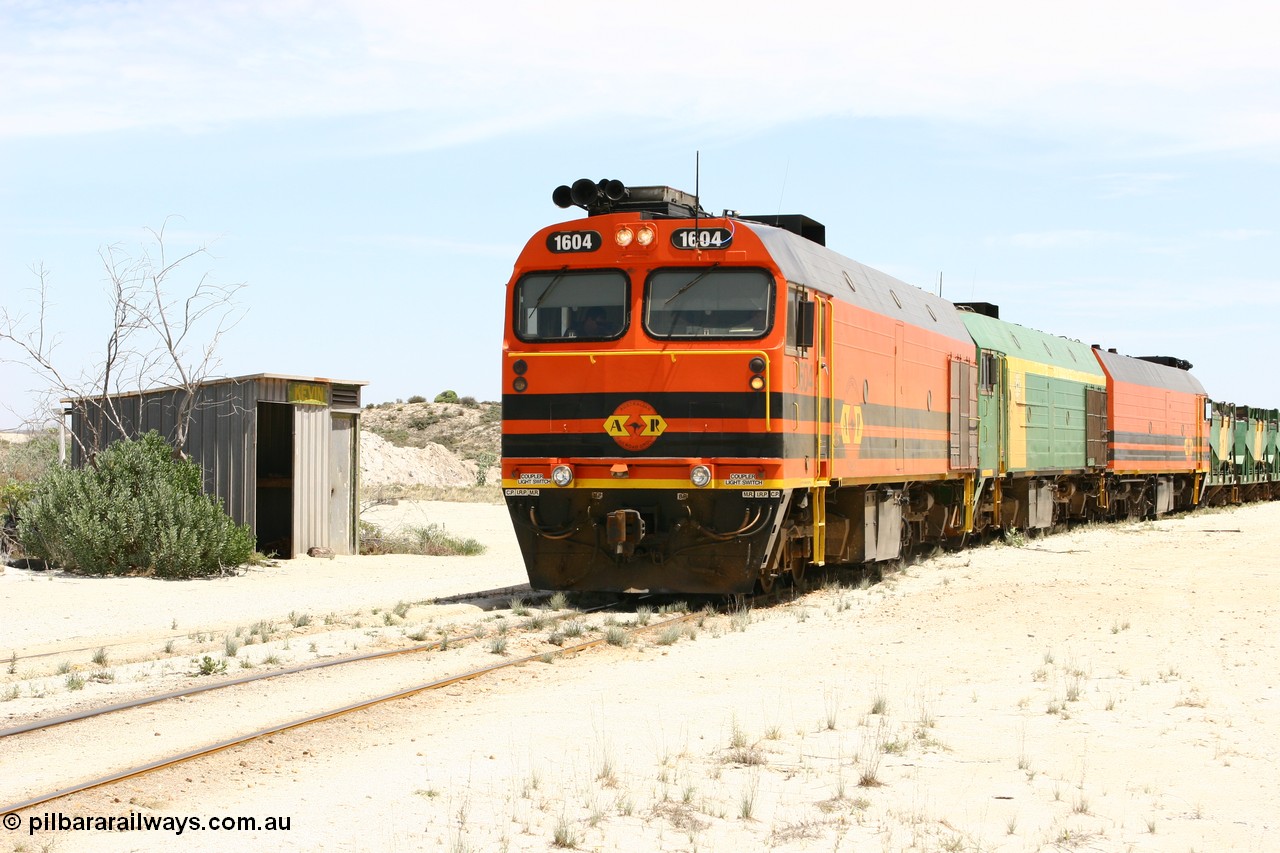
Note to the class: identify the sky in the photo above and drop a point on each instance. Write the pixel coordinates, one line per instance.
(369, 171)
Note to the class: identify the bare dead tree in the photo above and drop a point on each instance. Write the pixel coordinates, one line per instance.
(162, 335)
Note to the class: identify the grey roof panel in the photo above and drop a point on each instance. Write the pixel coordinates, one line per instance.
(1125, 368)
(805, 262)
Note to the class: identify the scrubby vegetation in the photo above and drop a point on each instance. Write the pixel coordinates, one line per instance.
(431, 540)
(21, 465)
(139, 511)
(469, 428)
(27, 461)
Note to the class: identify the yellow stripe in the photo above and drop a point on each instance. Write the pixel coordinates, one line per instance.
(644, 483)
(1016, 418)
(1039, 368)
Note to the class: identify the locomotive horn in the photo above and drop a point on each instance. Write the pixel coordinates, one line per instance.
(562, 196)
(613, 190)
(584, 191)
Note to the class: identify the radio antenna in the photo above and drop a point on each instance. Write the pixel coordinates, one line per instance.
(786, 172)
(697, 179)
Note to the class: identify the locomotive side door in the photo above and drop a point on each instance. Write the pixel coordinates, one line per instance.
(822, 386)
(963, 415)
(990, 413)
(899, 376)
(1095, 427)
(809, 344)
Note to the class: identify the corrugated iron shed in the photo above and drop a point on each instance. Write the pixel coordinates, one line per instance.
(279, 450)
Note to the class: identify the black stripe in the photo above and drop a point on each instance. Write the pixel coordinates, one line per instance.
(1178, 455)
(912, 448)
(709, 405)
(673, 444)
(1147, 438)
(711, 444)
(877, 415)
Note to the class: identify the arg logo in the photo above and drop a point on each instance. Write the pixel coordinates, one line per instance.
(635, 425)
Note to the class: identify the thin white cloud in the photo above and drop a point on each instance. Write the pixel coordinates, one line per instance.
(1161, 71)
(433, 244)
(1237, 235)
(1066, 238)
(1132, 184)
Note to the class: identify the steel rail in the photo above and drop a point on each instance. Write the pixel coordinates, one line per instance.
(457, 598)
(102, 710)
(316, 718)
(50, 722)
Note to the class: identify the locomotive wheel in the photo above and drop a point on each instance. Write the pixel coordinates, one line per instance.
(765, 582)
(797, 571)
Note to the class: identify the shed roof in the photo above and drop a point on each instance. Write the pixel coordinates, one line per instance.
(226, 380)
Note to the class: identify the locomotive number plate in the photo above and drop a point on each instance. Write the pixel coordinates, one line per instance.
(573, 241)
(701, 238)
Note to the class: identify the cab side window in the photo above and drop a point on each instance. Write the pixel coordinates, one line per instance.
(800, 320)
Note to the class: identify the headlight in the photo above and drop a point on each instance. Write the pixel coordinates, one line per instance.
(623, 236)
(700, 475)
(644, 236)
(562, 475)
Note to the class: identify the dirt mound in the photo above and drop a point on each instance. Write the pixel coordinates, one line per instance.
(384, 464)
(430, 444)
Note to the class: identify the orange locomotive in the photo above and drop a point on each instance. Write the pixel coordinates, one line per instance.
(704, 404)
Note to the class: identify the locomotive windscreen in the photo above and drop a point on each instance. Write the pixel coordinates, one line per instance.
(564, 305)
(720, 303)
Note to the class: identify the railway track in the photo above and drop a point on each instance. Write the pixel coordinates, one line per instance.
(487, 595)
(38, 733)
(441, 644)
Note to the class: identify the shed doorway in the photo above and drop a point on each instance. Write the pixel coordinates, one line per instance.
(275, 479)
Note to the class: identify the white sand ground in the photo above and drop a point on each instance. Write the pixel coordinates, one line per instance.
(47, 611)
(1111, 689)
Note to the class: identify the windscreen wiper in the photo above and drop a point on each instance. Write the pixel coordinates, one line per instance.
(550, 287)
(697, 278)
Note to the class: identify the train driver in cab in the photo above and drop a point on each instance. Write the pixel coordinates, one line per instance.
(595, 324)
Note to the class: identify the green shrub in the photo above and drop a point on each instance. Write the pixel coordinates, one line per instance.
(423, 420)
(29, 460)
(139, 511)
(447, 397)
(431, 540)
(417, 398)
(21, 465)
(484, 460)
